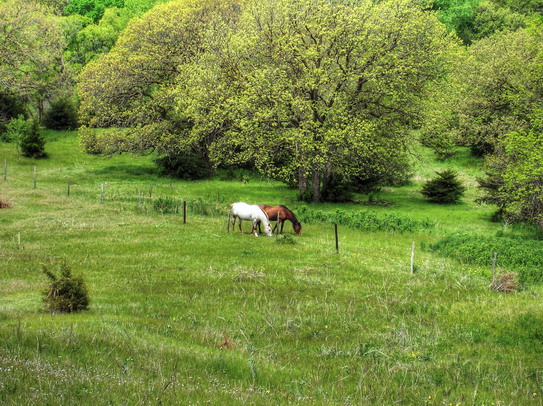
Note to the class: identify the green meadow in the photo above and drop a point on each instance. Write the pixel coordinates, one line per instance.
(192, 314)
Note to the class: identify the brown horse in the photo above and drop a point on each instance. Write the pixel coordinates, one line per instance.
(280, 214)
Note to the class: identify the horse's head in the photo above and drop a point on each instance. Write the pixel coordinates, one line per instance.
(268, 229)
(297, 228)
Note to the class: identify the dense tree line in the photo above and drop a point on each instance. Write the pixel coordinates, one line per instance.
(318, 93)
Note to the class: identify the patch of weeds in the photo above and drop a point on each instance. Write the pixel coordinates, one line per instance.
(285, 239)
(166, 205)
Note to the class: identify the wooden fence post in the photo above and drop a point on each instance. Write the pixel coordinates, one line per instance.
(102, 193)
(413, 257)
(228, 224)
(184, 212)
(35, 175)
(494, 260)
(337, 240)
(5, 169)
(68, 186)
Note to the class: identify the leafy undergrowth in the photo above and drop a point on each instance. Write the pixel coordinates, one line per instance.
(365, 220)
(514, 254)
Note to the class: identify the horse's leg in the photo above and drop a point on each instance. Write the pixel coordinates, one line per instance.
(233, 222)
(240, 230)
(259, 229)
(253, 229)
(282, 225)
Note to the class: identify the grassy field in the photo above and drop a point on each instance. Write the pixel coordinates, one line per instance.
(190, 314)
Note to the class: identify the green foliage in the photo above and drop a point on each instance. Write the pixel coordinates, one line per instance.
(16, 129)
(88, 141)
(458, 15)
(364, 220)
(10, 107)
(66, 293)
(490, 18)
(476, 19)
(31, 46)
(62, 115)
(91, 8)
(523, 6)
(514, 180)
(189, 166)
(32, 142)
(514, 254)
(500, 87)
(446, 188)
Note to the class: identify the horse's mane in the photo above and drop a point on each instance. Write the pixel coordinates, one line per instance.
(264, 211)
(294, 219)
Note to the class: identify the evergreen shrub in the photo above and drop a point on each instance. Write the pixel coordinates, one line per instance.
(62, 115)
(32, 143)
(66, 293)
(444, 189)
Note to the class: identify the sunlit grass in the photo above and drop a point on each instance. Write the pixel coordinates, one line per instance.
(304, 324)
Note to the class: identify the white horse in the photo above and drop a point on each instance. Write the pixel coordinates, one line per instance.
(244, 211)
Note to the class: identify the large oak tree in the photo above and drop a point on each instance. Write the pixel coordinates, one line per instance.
(301, 89)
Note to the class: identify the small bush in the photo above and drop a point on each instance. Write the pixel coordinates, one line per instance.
(445, 189)
(188, 166)
(65, 293)
(88, 140)
(62, 115)
(32, 143)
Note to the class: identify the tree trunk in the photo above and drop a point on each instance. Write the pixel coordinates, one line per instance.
(302, 183)
(326, 177)
(316, 184)
(41, 110)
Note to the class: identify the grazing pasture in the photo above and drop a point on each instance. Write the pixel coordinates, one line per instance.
(193, 314)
